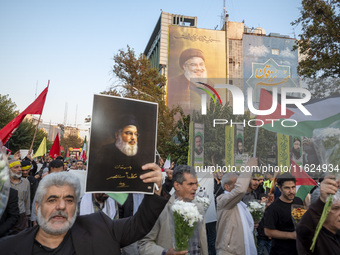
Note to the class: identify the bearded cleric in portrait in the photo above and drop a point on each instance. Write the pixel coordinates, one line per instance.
(117, 150)
(184, 89)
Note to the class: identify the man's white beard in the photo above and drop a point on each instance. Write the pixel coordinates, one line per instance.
(191, 76)
(44, 224)
(126, 148)
(14, 175)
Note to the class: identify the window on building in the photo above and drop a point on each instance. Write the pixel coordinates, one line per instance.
(275, 51)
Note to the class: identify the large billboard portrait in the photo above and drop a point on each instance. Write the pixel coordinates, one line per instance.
(123, 138)
(197, 61)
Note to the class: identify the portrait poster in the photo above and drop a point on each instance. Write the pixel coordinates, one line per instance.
(123, 138)
(240, 157)
(198, 144)
(229, 145)
(296, 149)
(196, 62)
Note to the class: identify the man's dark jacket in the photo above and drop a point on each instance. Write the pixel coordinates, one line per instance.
(96, 233)
(11, 213)
(327, 242)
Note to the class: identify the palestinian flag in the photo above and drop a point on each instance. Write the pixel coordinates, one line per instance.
(304, 183)
(324, 112)
(167, 163)
(83, 151)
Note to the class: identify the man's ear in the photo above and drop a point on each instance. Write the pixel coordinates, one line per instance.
(176, 185)
(36, 207)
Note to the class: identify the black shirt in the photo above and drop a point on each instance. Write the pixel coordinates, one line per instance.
(278, 217)
(65, 248)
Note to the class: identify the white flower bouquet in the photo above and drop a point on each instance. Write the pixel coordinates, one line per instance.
(256, 210)
(204, 201)
(186, 216)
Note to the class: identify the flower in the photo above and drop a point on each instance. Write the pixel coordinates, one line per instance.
(186, 216)
(203, 201)
(256, 210)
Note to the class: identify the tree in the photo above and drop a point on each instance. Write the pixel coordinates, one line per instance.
(7, 109)
(71, 141)
(23, 136)
(179, 145)
(136, 79)
(319, 42)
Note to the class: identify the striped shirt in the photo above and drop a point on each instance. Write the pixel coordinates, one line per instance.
(23, 188)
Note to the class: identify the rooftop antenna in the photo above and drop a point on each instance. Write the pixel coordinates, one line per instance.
(65, 114)
(223, 15)
(76, 115)
(36, 90)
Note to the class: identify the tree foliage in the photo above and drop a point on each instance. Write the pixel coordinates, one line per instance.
(71, 141)
(136, 79)
(178, 147)
(7, 109)
(23, 136)
(319, 42)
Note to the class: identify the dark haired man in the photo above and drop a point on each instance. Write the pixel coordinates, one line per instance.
(160, 240)
(55, 166)
(278, 222)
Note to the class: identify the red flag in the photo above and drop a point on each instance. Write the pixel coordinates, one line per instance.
(55, 149)
(35, 108)
(67, 153)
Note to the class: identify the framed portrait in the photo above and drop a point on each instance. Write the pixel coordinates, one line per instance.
(123, 138)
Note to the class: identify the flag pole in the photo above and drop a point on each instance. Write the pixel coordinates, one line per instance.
(36, 128)
(35, 133)
(255, 143)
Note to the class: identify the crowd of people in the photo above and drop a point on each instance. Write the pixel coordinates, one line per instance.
(49, 212)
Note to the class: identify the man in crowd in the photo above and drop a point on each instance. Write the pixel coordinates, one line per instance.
(55, 166)
(80, 165)
(60, 230)
(96, 202)
(10, 214)
(23, 187)
(25, 169)
(328, 241)
(160, 239)
(235, 224)
(129, 208)
(267, 184)
(73, 165)
(252, 187)
(278, 222)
